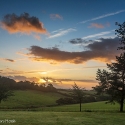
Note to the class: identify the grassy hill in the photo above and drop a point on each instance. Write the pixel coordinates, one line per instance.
(43, 101)
(33, 99)
(30, 99)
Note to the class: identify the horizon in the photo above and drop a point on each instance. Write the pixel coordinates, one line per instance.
(64, 41)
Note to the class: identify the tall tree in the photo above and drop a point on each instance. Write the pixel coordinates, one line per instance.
(78, 94)
(113, 82)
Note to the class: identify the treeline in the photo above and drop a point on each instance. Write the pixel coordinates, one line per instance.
(26, 85)
(86, 99)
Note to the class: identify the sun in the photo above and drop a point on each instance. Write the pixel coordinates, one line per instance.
(41, 81)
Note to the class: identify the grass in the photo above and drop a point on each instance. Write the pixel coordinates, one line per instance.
(40, 101)
(86, 107)
(63, 118)
(37, 111)
(25, 99)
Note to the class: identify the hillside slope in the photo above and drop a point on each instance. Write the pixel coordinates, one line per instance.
(30, 99)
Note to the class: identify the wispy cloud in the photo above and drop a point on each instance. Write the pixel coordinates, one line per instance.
(96, 25)
(62, 33)
(56, 16)
(55, 31)
(36, 36)
(67, 69)
(103, 16)
(7, 60)
(98, 34)
(24, 78)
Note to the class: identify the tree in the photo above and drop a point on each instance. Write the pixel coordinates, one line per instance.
(5, 92)
(112, 82)
(78, 94)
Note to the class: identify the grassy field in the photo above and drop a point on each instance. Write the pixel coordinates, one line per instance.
(40, 101)
(38, 108)
(25, 99)
(86, 107)
(62, 118)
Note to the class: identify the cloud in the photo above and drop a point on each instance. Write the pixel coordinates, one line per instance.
(56, 16)
(23, 78)
(7, 60)
(77, 80)
(80, 41)
(62, 33)
(36, 36)
(96, 25)
(8, 71)
(98, 34)
(67, 80)
(106, 50)
(22, 24)
(76, 41)
(67, 83)
(103, 16)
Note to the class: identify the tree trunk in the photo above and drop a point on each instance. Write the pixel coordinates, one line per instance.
(80, 106)
(122, 98)
(121, 104)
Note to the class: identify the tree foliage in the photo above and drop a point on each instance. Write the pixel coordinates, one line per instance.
(26, 85)
(112, 82)
(5, 92)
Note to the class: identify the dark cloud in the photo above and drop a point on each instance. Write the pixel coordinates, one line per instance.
(9, 60)
(105, 50)
(23, 23)
(76, 41)
(23, 78)
(80, 41)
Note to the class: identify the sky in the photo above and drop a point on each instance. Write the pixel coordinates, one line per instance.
(64, 41)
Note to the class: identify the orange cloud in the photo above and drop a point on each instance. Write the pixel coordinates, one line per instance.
(22, 24)
(56, 16)
(24, 78)
(96, 25)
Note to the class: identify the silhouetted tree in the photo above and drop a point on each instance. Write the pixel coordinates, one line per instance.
(51, 88)
(113, 82)
(78, 94)
(5, 92)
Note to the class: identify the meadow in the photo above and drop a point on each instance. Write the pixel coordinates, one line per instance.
(46, 101)
(39, 108)
(63, 118)
(30, 99)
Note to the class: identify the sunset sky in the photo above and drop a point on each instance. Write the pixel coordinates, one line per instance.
(65, 40)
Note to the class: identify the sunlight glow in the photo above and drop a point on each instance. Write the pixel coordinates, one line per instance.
(43, 73)
(41, 81)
